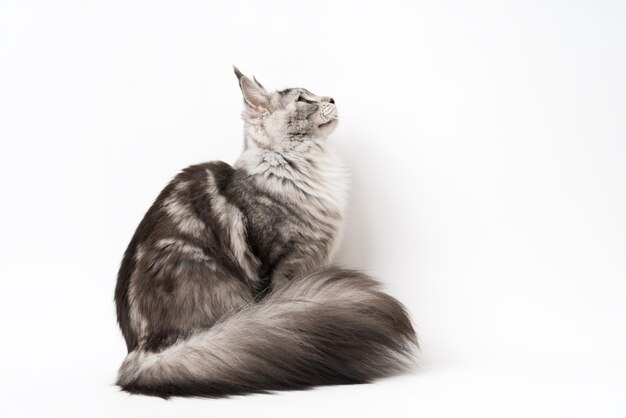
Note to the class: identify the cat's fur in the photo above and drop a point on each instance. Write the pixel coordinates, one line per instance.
(223, 288)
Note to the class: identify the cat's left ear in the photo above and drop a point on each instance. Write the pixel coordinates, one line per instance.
(254, 94)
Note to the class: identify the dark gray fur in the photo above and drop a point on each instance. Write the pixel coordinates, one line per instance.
(222, 289)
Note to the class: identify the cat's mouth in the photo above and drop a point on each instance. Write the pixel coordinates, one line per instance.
(327, 123)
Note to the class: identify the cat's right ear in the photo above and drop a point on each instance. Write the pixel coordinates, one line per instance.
(238, 73)
(254, 95)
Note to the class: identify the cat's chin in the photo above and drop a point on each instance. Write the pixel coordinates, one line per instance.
(328, 127)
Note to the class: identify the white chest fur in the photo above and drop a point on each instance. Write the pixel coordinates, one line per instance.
(315, 180)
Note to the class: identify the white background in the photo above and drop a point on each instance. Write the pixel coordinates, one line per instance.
(487, 143)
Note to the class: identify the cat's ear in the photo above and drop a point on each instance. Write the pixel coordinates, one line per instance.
(238, 73)
(255, 96)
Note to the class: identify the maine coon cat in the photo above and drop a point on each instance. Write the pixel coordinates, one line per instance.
(225, 288)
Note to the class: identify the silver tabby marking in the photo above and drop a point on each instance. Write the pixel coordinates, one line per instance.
(224, 287)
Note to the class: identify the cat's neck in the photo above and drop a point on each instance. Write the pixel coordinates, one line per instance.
(291, 159)
(298, 170)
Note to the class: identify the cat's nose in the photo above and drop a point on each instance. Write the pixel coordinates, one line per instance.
(332, 100)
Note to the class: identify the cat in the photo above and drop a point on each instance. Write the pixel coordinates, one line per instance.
(225, 287)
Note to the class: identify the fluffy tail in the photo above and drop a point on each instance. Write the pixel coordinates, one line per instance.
(331, 326)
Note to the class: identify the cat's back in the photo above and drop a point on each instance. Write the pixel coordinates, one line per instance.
(188, 255)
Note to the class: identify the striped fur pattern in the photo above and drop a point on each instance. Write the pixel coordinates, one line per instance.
(224, 288)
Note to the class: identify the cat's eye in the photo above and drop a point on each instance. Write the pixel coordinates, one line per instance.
(302, 99)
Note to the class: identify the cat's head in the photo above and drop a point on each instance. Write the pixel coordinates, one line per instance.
(279, 118)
